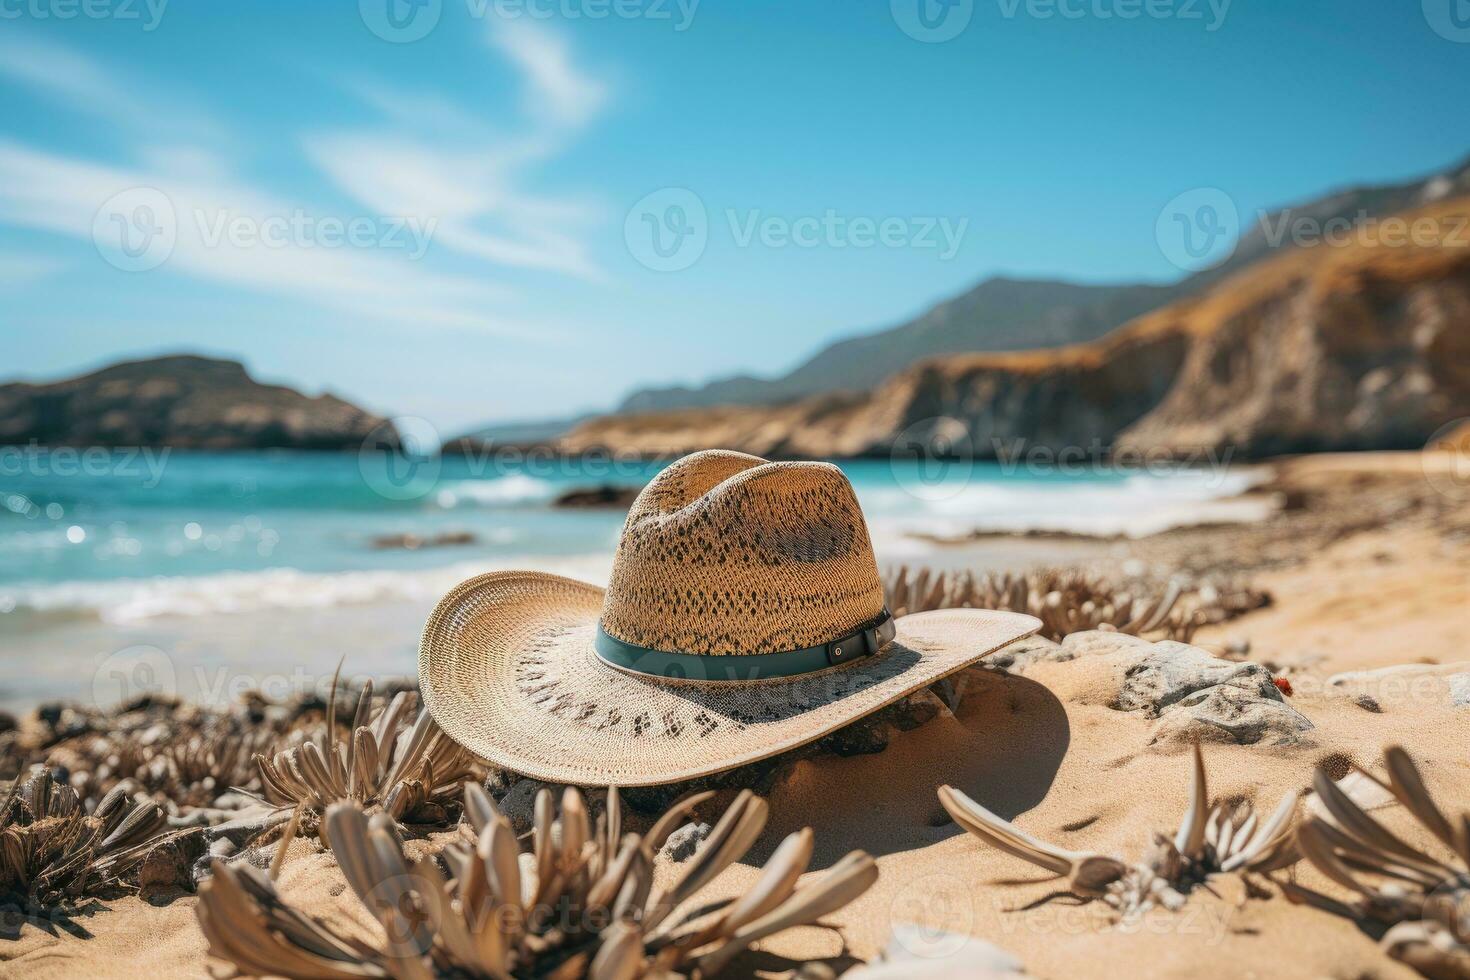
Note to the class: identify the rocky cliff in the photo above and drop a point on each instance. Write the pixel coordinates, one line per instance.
(1362, 345)
(182, 401)
(1004, 314)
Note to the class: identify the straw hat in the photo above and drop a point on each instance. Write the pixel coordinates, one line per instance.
(744, 617)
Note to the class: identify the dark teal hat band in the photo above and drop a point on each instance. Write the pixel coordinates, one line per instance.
(864, 641)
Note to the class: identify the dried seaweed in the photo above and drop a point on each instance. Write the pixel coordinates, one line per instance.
(411, 770)
(52, 851)
(1070, 601)
(1209, 840)
(582, 902)
(1424, 899)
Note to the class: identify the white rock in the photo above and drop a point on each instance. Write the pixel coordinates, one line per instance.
(1409, 684)
(1225, 713)
(1194, 694)
(1171, 672)
(918, 953)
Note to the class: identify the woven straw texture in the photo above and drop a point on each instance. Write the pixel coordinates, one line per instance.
(508, 670)
(723, 554)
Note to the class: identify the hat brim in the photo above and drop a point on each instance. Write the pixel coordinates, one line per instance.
(508, 670)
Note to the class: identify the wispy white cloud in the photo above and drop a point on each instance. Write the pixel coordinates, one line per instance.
(478, 210)
(25, 268)
(65, 75)
(460, 181)
(62, 195)
(83, 85)
(557, 86)
(432, 157)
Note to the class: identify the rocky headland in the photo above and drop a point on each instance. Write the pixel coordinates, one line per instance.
(1356, 346)
(183, 402)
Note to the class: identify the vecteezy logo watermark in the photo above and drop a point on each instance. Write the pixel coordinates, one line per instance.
(400, 21)
(1450, 19)
(138, 229)
(149, 13)
(932, 21)
(1449, 905)
(399, 460)
(667, 231)
(1446, 459)
(133, 673)
(135, 230)
(933, 898)
(933, 459)
(1198, 229)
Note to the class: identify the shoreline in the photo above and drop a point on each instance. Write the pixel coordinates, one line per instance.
(1368, 566)
(1289, 549)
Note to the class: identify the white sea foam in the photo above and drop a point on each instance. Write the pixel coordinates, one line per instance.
(1132, 507)
(900, 519)
(516, 488)
(127, 601)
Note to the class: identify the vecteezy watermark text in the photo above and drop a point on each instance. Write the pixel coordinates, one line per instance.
(405, 21)
(148, 13)
(936, 21)
(142, 463)
(1211, 13)
(138, 228)
(1034, 459)
(1361, 228)
(679, 12)
(669, 230)
(831, 229)
(148, 671)
(1201, 228)
(301, 229)
(936, 458)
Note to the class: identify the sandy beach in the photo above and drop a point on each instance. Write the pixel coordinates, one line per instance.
(1367, 563)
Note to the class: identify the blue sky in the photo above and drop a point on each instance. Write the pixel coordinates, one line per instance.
(459, 226)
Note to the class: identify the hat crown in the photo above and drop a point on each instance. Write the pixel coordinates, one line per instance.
(728, 554)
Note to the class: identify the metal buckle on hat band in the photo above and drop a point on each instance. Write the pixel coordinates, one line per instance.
(864, 643)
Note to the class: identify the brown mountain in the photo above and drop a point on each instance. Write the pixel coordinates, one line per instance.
(1005, 314)
(1364, 345)
(182, 401)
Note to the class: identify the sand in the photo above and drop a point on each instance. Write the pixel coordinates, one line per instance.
(1044, 749)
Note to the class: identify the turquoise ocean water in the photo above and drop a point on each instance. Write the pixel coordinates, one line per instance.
(121, 539)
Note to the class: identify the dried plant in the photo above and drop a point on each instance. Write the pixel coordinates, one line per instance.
(1424, 900)
(411, 771)
(1070, 601)
(203, 765)
(182, 755)
(582, 902)
(52, 851)
(1210, 840)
